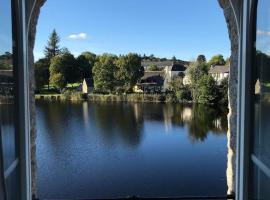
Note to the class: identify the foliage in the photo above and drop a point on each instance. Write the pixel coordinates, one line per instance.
(216, 60)
(153, 67)
(207, 91)
(128, 71)
(86, 62)
(203, 86)
(58, 80)
(196, 71)
(66, 66)
(174, 58)
(42, 73)
(176, 83)
(6, 61)
(223, 91)
(183, 94)
(64, 50)
(201, 58)
(52, 48)
(103, 73)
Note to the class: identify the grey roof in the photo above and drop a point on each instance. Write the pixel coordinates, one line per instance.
(218, 69)
(153, 77)
(148, 74)
(178, 67)
(157, 63)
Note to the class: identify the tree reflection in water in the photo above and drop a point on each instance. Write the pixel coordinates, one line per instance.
(125, 121)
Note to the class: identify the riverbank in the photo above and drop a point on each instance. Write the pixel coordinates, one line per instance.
(134, 97)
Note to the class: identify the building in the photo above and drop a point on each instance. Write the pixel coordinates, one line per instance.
(176, 69)
(151, 82)
(219, 72)
(87, 85)
(159, 81)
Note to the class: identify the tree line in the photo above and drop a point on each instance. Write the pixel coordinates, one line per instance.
(202, 87)
(118, 74)
(110, 73)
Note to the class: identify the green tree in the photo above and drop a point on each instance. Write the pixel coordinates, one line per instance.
(207, 92)
(63, 70)
(153, 67)
(52, 48)
(201, 58)
(42, 73)
(195, 72)
(86, 62)
(58, 80)
(64, 50)
(223, 91)
(176, 84)
(103, 73)
(216, 60)
(129, 70)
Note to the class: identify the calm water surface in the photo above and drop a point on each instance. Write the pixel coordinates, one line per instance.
(98, 150)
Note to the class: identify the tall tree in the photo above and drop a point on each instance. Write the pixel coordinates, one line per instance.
(63, 70)
(103, 73)
(216, 60)
(195, 72)
(52, 49)
(201, 58)
(86, 62)
(129, 70)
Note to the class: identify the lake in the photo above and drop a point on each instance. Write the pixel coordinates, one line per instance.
(110, 150)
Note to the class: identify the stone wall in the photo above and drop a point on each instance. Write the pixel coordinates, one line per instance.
(232, 12)
(32, 15)
(231, 9)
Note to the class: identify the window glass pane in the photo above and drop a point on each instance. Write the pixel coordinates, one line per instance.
(260, 185)
(7, 109)
(12, 186)
(6, 84)
(261, 137)
(8, 134)
(262, 84)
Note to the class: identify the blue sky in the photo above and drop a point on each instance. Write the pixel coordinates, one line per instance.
(6, 29)
(165, 28)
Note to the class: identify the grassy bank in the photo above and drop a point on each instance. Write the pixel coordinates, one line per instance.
(77, 96)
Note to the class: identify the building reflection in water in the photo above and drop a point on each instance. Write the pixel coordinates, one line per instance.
(126, 120)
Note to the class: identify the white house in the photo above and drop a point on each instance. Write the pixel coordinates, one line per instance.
(219, 72)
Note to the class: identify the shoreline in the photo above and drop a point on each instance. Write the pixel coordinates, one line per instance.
(132, 97)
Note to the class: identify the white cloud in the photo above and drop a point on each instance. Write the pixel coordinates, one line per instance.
(261, 32)
(79, 36)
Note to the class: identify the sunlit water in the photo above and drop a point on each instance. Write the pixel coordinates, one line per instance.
(104, 150)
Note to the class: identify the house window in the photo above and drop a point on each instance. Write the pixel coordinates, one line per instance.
(260, 141)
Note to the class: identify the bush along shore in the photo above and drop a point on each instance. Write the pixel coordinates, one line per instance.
(93, 97)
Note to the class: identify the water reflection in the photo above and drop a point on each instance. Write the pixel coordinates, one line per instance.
(125, 122)
(120, 149)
